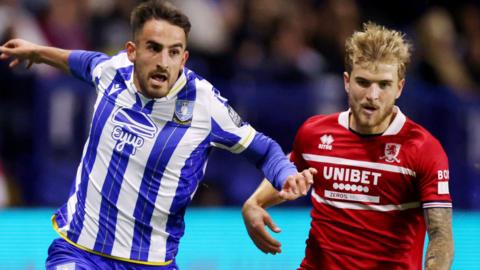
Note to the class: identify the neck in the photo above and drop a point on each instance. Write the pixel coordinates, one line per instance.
(371, 130)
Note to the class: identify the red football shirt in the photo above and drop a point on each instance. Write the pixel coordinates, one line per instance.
(369, 192)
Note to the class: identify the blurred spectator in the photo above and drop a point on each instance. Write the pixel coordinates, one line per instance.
(292, 59)
(277, 61)
(470, 26)
(215, 22)
(63, 23)
(336, 20)
(254, 36)
(440, 59)
(15, 21)
(109, 26)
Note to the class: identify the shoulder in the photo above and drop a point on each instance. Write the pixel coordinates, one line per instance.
(420, 136)
(315, 125)
(427, 153)
(118, 61)
(202, 86)
(320, 120)
(117, 64)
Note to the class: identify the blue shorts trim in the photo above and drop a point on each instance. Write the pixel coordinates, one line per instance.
(64, 256)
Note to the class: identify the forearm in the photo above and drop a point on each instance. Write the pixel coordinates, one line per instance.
(269, 157)
(440, 246)
(54, 57)
(264, 196)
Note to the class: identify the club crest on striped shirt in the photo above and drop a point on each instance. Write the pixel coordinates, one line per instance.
(183, 111)
(391, 152)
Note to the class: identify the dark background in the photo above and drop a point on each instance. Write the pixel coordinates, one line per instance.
(277, 61)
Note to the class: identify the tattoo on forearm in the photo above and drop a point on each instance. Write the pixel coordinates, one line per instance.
(440, 246)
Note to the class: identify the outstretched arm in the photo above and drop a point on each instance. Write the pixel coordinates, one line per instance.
(440, 246)
(22, 50)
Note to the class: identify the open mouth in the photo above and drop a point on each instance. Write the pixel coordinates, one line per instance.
(369, 108)
(159, 77)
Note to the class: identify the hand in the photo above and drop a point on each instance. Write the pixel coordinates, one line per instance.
(255, 219)
(21, 50)
(298, 185)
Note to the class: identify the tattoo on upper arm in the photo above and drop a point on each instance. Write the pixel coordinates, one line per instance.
(440, 247)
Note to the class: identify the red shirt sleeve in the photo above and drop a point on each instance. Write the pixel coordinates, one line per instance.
(433, 175)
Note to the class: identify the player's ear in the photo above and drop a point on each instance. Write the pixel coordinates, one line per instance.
(346, 81)
(131, 51)
(186, 54)
(401, 83)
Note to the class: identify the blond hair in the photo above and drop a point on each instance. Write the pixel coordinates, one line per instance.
(377, 44)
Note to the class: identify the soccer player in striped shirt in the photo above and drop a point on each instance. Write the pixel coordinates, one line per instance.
(382, 179)
(154, 124)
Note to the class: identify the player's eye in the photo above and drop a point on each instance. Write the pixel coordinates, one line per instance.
(384, 84)
(363, 83)
(174, 52)
(153, 47)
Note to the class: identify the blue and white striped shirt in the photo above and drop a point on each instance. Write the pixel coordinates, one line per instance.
(144, 159)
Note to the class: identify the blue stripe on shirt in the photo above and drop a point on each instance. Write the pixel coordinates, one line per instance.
(157, 162)
(191, 175)
(167, 142)
(223, 137)
(102, 113)
(110, 192)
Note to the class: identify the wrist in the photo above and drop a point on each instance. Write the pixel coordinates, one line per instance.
(251, 203)
(37, 53)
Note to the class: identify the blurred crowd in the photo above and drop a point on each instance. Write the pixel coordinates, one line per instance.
(277, 61)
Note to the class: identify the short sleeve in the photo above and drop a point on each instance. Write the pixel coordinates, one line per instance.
(83, 64)
(433, 175)
(229, 131)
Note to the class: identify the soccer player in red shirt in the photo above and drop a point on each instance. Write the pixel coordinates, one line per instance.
(382, 179)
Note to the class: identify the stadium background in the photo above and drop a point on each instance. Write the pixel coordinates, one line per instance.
(278, 62)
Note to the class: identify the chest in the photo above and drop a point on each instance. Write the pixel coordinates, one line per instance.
(140, 131)
(377, 170)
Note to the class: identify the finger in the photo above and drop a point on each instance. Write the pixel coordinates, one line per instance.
(264, 245)
(4, 56)
(309, 174)
(263, 240)
(269, 222)
(308, 180)
(30, 63)
(302, 185)
(290, 184)
(14, 63)
(11, 44)
(6, 50)
(288, 195)
(261, 232)
(313, 170)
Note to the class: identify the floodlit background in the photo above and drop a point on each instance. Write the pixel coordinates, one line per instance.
(278, 62)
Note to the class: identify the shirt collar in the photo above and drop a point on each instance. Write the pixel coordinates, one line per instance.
(393, 129)
(179, 84)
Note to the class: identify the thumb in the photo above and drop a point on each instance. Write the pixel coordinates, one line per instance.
(269, 222)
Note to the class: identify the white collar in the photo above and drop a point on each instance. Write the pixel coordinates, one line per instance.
(393, 129)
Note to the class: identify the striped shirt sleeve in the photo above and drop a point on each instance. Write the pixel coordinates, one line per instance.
(83, 63)
(230, 132)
